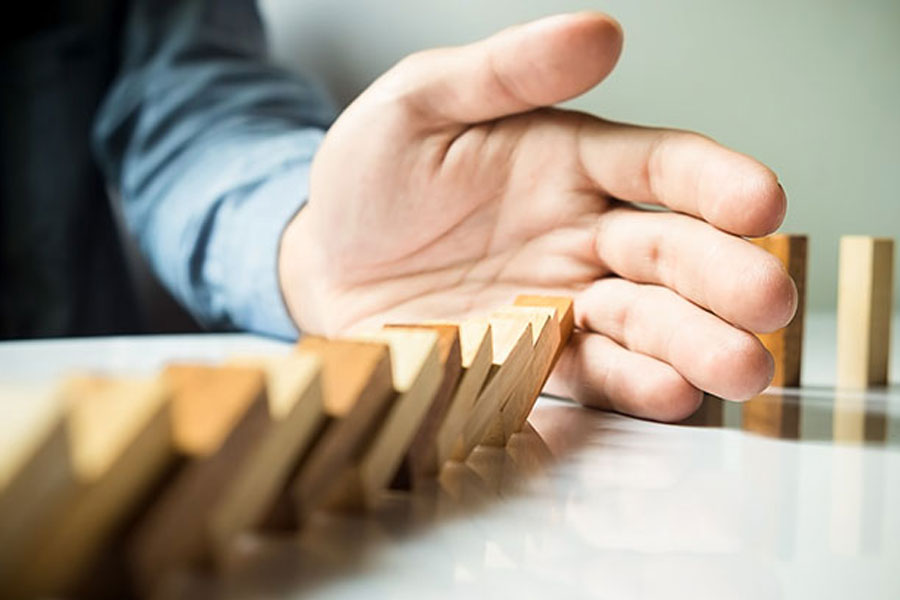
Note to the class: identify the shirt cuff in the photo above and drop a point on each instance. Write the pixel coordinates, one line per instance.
(248, 235)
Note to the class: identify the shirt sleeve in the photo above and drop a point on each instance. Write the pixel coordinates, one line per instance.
(209, 147)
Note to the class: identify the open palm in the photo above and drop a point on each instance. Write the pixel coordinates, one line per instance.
(449, 187)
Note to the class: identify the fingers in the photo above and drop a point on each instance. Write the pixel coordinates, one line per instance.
(731, 277)
(709, 353)
(598, 372)
(521, 68)
(685, 172)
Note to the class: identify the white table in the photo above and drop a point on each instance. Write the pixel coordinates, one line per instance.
(588, 504)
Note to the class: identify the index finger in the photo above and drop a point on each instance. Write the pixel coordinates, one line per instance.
(685, 172)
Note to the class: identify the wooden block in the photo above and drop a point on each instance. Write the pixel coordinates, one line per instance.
(477, 351)
(296, 415)
(856, 421)
(565, 315)
(36, 469)
(865, 290)
(416, 372)
(545, 339)
(358, 392)
(786, 344)
(512, 345)
(219, 417)
(772, 415)
(421, 459)
(120, 446)
(545, 331)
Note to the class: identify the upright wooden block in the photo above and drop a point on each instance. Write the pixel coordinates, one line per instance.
(358, 393)
(786, 344)
(416, 373)
(421, 459)
(865, 290)
(296, 415)
(512, 345)
(219, 417)
(545, 342)
(477, 351)
(120, 445)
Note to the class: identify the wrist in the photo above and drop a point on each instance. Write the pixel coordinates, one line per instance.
(299, 276)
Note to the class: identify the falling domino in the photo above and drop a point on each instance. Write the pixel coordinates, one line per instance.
(120, 445)
(477, 351)
(219, 417)
(416, 372)
(512, 344)
(421, 459)
(545, 342)
(865, 290)
(357, 393)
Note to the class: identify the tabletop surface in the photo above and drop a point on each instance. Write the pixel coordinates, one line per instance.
(586, 503)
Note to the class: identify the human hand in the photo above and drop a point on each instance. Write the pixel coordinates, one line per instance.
(449, 187)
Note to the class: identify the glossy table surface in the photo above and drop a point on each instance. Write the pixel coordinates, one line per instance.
(802, 502)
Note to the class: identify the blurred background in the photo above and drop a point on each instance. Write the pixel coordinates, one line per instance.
(811, 87)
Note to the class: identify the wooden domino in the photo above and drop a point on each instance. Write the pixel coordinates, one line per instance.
(865, 290)
(772, 415)
(421, 459)
(477, 352)
(165, 473)
(296, 414)
(219, 417)
(545, 342)
(416, 372)
(786, 344)
(511, 339)
(357, 393)
(120, 444)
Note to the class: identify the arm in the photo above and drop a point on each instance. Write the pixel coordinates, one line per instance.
(209, 147)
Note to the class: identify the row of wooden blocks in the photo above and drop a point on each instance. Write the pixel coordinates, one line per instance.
(864, 308)
(165, 472)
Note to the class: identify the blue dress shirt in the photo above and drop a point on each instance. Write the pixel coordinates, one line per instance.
(209, 147)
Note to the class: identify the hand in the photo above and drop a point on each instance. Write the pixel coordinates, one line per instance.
(448, 187)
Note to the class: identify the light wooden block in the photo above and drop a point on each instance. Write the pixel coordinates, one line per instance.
(545, 331)
(786, 344)
(865, 290)
(511, 339)
(36, 469)
(421, 459)
(296, 415)
(565, 315)
(120, 446)
(358, 393)
(219, 417)
(545, 340)
(416, 372)
(477, 352)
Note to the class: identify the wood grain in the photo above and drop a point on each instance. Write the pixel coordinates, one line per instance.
(421, 459)
(865, 291)
(565, 315)
(786, 344)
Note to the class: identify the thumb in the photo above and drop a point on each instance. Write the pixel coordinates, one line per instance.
(521, 68)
